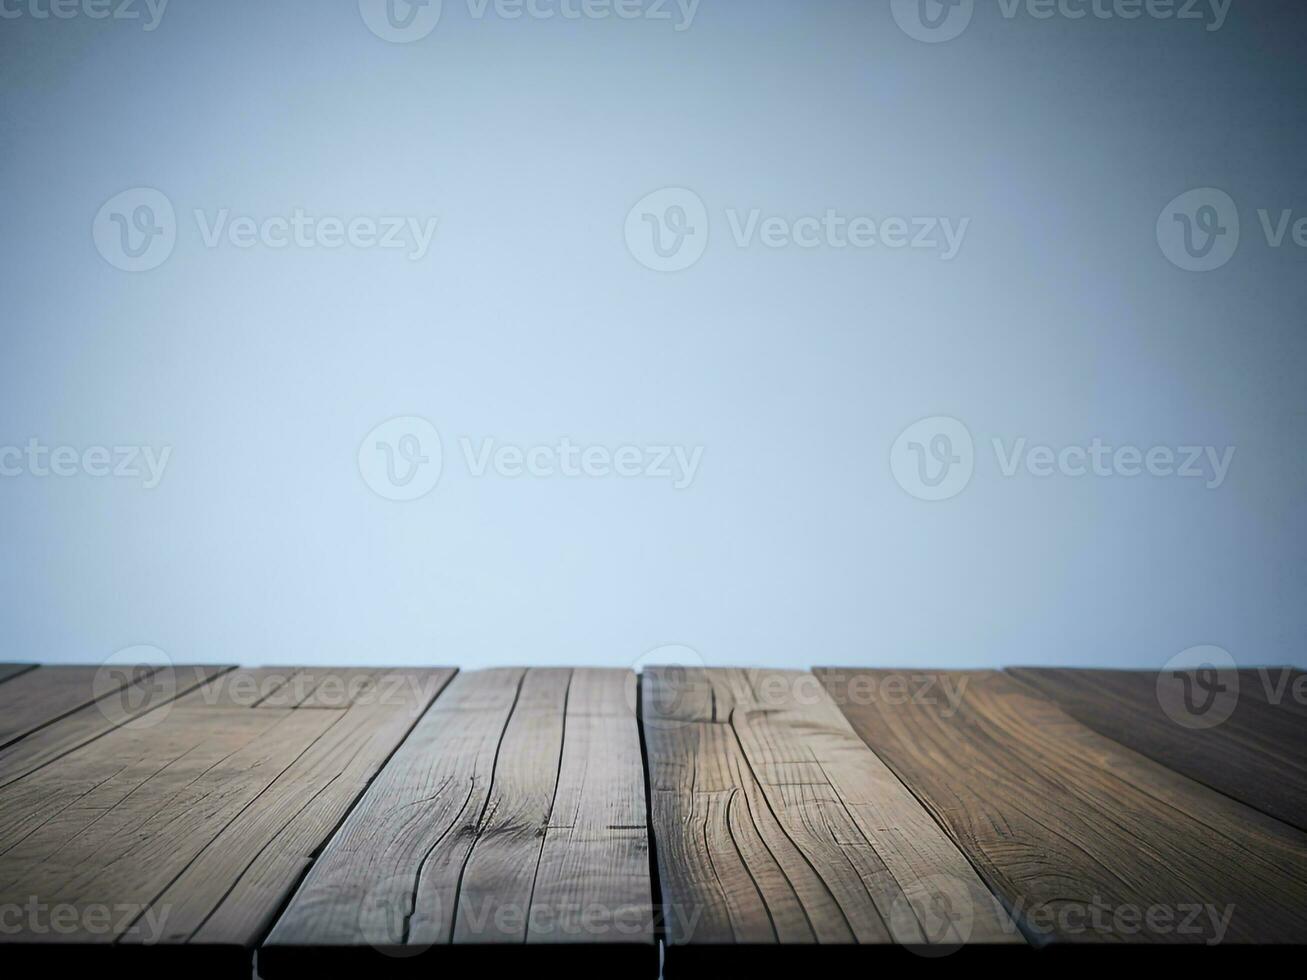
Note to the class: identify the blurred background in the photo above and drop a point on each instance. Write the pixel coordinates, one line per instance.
(735, 251)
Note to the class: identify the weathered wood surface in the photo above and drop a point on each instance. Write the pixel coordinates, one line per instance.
(775, 825)
(349, 819)
(512, 821)
(60, 709)
(188, 824)
(32, 699)
(1083, 839)
(1253, 748)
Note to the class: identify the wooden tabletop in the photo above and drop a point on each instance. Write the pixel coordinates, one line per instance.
(212, 818)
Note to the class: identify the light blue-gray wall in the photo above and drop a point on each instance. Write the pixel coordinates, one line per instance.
(261, 370)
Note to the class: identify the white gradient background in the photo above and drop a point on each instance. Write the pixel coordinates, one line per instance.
(529, 320)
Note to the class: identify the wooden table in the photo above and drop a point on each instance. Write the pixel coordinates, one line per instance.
(205, 818)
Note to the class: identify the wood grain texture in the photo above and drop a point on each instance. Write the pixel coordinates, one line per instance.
(1258, 754)
(192, 825)
(38, 697)
(510, 826)
(64, 708)
(775, 826)
(1083, 839)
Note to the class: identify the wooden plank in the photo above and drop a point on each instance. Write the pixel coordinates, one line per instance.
(8, 671)
(593, 878)
(776, 826)
(1084, 840)
(509, 829)
(121, 698)
(271, 845)
(1282, 688)
(500, 867)
(39, 697)
(194, 830)
(1257, 753)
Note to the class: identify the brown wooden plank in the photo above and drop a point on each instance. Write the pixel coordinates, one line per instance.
(1282, 688)
(1253, 748)
(508, 829)
(776, 826)
(1083, 839)
(195, 828)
